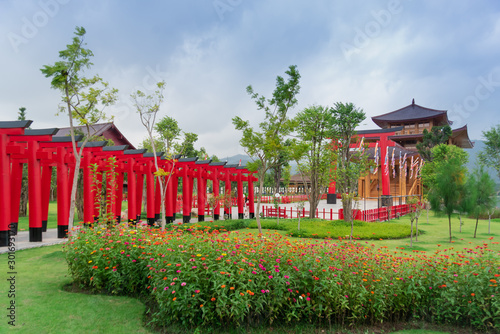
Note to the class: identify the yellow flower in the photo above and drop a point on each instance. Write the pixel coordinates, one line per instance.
(90, 261)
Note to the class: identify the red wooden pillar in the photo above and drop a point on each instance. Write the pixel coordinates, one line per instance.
(110, 195)
(120, 177)
(16, 186)
(34, 192)
(63, 193)
(131, 191)
(46, 181)
(88, 198)
(227, 185)
(186, 199)
(140, 193)
(241, 200)
(175, 186)
(384, 171)
(202, 187)
(4, 191)
(169, 204)
(157, 199)
(251, 196)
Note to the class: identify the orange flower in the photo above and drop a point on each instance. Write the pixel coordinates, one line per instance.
(241, 293)
(201, 305)
(472, 294)
(223, 286)
(213, 299)
(174, 299)
(231, 288)
(372, 292)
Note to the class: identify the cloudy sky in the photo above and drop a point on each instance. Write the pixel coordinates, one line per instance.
(377, 54)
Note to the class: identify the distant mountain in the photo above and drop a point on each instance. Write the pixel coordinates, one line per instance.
(235, 159)
(245, 159)
(479, 146)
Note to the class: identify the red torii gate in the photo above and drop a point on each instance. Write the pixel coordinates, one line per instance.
(382, 138)
(27, 146)
(42, 152)
(7, 129)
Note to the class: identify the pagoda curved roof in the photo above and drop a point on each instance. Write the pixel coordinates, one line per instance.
(412, 112)
(460, 137)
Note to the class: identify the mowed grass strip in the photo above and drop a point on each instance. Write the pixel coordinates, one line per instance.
(44, 306)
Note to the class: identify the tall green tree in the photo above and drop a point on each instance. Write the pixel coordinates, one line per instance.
(447, 187)
(491, 155)
(440, 154)
(83, 98)
(265, 144)
(315, 130)
(186, 147)
(159, 144)
(437, 135)
(283, 162)
(350, 164)
(481, 194)
(169, 131)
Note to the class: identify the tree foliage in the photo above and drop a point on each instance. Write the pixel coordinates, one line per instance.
(169, 131)
(315, 129)
(480, 189)
(491, 154)
(449, 170)
(83, 99)
(437, 135)
(265, 144)
(350, 164)
(440, 154)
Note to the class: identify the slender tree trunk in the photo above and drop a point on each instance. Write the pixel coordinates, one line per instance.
(449, 225)
(347, 204)
(477, 221)
(460, 218)
(352, 229)
(489, 223)
(73, 192)
(416, 229)
(411, 234)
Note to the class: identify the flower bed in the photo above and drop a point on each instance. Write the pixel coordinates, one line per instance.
(218, 278)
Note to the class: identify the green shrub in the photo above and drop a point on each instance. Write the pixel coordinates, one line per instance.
(204, 277)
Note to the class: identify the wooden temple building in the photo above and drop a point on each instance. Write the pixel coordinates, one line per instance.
(393, 147)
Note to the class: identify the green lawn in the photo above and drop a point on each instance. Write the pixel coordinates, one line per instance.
(43, 306)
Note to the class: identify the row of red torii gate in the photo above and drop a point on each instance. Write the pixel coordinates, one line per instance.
(41, 151)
